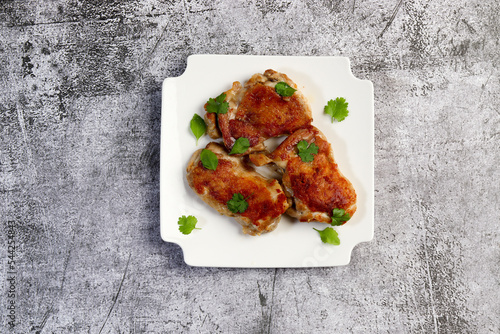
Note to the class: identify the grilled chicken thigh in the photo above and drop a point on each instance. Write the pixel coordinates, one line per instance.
(265, 197)
(257, 112)
(316, 187)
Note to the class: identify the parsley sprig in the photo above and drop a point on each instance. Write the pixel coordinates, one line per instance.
(187, 224)
(217, 105)
(307, 151)
(339, 217)
(198, 127)
(240, 146)
(209, 159)
(284, 89)
(337, 109)
(237, 204)
(329, 236)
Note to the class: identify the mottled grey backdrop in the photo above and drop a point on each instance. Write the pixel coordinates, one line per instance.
(80, 96)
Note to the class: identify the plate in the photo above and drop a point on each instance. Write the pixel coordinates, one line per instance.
(221, 242)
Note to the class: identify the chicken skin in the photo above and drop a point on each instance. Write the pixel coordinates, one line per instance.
(257, 112)
(265, 197)
(316, 187)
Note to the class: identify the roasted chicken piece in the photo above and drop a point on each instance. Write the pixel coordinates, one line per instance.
(316, 187)
(265, 197)
(257, 112)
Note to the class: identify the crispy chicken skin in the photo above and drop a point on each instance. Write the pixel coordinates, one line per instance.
(265, 197)
(257, 112)
(317, 187)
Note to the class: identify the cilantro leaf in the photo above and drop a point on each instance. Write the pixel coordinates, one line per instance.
(306, 152)
(198, 127)
(339, 217)
(217, 105)
(209, 159)
(337, 109)
(187, 224)
(284, 89)
(329, 236)
(240, 146)
(237, 203)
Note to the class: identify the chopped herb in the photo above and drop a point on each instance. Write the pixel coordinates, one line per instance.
(284, 89)
(198, 127)
(307, 151)
(209, 159)
(237, 203)
(329, 236)
(217, 105)
(339, 217)
(337, 109)
(187, 224)
(240, 146)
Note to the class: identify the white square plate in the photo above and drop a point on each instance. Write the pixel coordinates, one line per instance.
(220, 242)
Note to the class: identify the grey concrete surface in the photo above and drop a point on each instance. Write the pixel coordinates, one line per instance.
(80, 85)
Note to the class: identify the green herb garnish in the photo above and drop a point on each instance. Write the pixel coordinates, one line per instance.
(339, 217)
(187, 224)
(237, 203)
(284, 89)
(198, 127)
(337, 109)
(307, 151)
(240, 146)
(329, 236)
(209, 159)
(217, 105)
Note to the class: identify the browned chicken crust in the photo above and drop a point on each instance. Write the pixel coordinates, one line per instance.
(265, 197)
(316, 187)
(258, 113)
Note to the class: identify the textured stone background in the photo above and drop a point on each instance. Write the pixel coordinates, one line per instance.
(80, 85)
